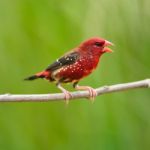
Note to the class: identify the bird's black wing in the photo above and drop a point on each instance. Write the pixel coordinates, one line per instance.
(67, 59)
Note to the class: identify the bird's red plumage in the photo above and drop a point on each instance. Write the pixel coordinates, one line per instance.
(81, 68)
(77, 63)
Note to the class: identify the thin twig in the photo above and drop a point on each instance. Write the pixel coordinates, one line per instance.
(79, 94)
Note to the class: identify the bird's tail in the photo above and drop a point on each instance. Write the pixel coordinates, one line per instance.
(42, 74)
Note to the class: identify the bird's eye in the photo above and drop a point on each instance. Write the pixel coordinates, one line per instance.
(98, 44)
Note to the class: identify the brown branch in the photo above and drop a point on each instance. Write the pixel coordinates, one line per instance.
(79, 94)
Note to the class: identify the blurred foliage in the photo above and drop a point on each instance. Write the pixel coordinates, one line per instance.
(33, 33)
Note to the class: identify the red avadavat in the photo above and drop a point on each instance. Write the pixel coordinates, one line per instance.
(75, 65)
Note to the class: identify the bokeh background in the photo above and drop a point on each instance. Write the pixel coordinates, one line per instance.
(33, 33)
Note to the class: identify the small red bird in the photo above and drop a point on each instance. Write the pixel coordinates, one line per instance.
(75, 65)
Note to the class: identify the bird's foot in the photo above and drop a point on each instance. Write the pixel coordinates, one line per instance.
(67, 94)
(67, 97)
(92, 92)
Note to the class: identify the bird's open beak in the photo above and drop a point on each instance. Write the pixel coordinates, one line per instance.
(106, 49)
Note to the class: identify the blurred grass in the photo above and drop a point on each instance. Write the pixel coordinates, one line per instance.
(34, 33)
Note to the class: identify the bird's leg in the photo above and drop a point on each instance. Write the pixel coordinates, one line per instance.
(66, 93)
(92, 92)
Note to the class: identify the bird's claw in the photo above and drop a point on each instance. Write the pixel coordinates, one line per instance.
(67, 97)
(92, 94)
(67, 94)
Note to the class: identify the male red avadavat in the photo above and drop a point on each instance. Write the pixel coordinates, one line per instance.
(75, 65)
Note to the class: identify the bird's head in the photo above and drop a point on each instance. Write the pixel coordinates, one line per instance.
(96, 45)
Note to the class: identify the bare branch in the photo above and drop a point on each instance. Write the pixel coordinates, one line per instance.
(75, 95)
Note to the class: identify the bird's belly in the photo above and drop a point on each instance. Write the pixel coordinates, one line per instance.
(74, 72)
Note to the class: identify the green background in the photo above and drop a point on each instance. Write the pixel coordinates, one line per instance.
(33, 33)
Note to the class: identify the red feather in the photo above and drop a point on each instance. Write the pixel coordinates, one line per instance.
(76, 64)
